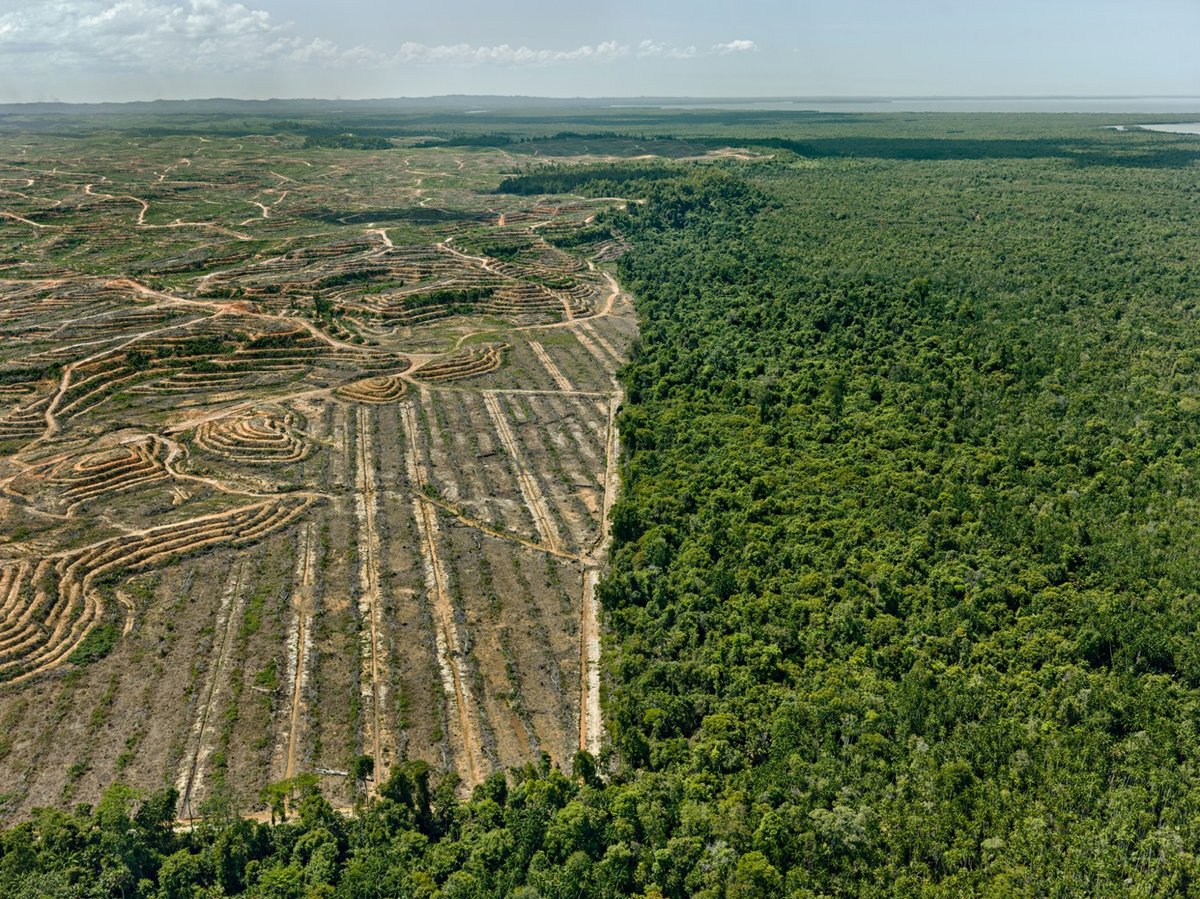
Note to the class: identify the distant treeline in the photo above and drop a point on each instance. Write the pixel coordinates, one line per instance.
(503, 140)
(465, 140)
(592, 181)
(346, 142)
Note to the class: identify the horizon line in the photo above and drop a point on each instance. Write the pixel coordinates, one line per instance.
(734, 98)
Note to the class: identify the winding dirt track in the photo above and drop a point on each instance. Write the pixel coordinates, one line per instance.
(484, 528)
(140, 221)
(23, 220)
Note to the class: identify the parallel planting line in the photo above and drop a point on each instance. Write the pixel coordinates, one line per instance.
(593, 350)
(612, 450)
(529, 487)
(229, 613)
(594, 333)
(589, 665)
(484, 528)
(300, 642)
(590, 721)
(468, 748)
(522, 391)
(548, 363)
(373, 654)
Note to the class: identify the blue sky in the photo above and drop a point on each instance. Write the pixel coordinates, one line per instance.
(86, 50)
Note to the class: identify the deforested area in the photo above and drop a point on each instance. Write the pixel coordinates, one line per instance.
(807, 510)
(295, 490)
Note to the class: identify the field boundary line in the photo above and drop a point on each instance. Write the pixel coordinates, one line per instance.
(231, 604)
(365, 500)
(300, 647)
(553, 370)
(450, 657)
(529, 487)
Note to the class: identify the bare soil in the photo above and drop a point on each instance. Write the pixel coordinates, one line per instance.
(243, 541)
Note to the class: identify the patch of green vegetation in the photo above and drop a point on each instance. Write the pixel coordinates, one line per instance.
(96, 645)
(253, 615)
(268, 676)
(591, 181)
(459, 301)
(579, 237)
(346, 142)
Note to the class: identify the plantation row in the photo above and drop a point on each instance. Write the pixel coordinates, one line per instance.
(415, 284)
(53, 609)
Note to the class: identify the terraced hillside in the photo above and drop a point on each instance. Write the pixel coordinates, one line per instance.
(306, 463)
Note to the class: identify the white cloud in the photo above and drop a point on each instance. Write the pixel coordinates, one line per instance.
(504, 54)
(204, 19)
(164, 37)
(742, 46)
(669, 51)
(136, 35)
(318, 51)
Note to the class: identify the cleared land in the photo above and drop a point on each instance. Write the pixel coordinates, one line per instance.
(305, 455)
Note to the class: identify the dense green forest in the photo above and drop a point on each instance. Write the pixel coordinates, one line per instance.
(904, 591)
(347, 142)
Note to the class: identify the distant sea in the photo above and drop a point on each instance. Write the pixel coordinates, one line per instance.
(1154, 105)
(1181, 128)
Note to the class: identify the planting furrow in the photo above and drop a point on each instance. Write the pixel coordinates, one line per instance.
(379, 390)
(345, 446)
(374, 660)
(551, 368)
(591, 725)
(444, 470)
(464, 363)
(595, 333)
(259, 436)
(566, 431)
(580, 366)
(586, 445)
(608, 360)
(555, 468)
(201, 740)
(299, 643)
(589, 665)
(473, 487)
(530, 491)
(466, 741)
(496, 473)
(12, 576)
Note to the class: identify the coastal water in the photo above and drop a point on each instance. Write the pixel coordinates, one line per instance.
(1153, 105)
(1179, 128)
